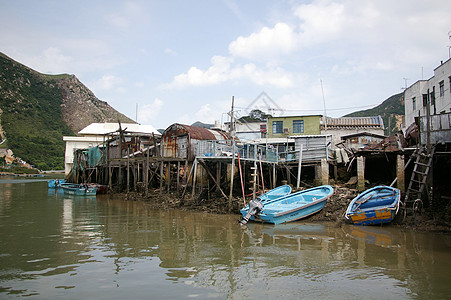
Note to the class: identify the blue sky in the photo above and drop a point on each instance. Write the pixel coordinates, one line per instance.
(182, 61)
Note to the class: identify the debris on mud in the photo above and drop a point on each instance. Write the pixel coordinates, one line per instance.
(333, 211)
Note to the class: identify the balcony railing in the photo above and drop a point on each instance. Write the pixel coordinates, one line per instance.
(224, 149)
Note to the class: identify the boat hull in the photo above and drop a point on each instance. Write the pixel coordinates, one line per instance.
(296, 206)
(78, 190)
(375, 206)
(295, 214)
(268, 197)
(55, 183)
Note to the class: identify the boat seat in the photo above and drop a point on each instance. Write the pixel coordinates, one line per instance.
(375, 203)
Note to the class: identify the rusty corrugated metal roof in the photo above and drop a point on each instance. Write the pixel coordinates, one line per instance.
(197, 133)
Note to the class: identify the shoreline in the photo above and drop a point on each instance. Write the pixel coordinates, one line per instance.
(333, 211)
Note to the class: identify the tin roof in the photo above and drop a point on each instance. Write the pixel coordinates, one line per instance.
(197, 133)
(374, 121)
(105, 128)
(364, 133)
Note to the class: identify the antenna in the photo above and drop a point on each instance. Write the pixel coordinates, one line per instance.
(405, 83)
(449, 47)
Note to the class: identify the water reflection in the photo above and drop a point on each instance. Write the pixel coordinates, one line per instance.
(53, 245)
(214, 251)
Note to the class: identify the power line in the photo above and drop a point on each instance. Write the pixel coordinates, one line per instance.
(329, 109)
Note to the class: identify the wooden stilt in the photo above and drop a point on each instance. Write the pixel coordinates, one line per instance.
(168, 176)
(400, 173)
(195, 176)
(161, 177)
(212, 177)
(298, 183)
(128, 171)
(231, 175)
(274, 180)
(254, 180)
(146, 172)
(178, 177)
(361, 173)
(187, 180)
(324, 171)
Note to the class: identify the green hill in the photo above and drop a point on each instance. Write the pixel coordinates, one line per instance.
(37, 110)
(391, 110)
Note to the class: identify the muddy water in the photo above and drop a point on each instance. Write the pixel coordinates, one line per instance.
(66, 247)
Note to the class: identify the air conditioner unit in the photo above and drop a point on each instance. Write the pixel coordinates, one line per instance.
(286, 130)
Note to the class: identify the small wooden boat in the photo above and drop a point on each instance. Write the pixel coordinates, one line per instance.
(78, 189)
(101, 189)
(55, 183)
(272, 195)
(377, 205)
(296, 206)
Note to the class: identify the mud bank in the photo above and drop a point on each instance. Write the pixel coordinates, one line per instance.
(333, 211)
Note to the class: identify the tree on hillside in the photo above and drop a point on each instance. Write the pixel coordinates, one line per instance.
(255, 115)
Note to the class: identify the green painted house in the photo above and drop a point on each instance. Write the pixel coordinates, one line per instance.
(279, 127)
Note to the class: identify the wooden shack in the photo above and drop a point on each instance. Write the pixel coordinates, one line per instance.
(180, 141)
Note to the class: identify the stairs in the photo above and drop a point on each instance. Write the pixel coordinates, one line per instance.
(418, 181)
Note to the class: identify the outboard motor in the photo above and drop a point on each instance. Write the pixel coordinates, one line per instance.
(255, 207)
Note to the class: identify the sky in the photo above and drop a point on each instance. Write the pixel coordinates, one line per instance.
(161, 62)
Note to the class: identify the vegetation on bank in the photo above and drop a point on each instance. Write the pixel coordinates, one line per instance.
(31, 115)
(391, 110)
(18, 170)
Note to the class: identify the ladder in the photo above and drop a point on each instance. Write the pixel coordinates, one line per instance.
(418, 180)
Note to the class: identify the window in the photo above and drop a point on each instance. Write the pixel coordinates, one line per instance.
(442, 88)
(432, 98)
(298, 126)
(425, 100)
(277, 126)
(414, 103)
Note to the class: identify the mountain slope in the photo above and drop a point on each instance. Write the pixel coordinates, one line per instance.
(36, 110)
(391, 110)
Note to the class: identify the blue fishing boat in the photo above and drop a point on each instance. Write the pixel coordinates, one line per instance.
(377, 205)
(272, 195)
(78, 189)
(54, 183)
(290, 207)
(296, 206)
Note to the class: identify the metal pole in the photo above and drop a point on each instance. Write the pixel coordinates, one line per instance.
(231, 175)
(299, 168)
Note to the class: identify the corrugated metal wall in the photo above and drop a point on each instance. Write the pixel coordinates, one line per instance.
(314, 148)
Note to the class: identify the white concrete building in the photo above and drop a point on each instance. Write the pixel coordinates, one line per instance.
(436, 91)
(93, 135)
(248, 131)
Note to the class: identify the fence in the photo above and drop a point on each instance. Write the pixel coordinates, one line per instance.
(224, 149)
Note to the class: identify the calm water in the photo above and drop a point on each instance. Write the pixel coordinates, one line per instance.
(67, 247)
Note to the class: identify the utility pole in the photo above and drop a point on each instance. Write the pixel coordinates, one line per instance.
(324, 101)
(232, 119)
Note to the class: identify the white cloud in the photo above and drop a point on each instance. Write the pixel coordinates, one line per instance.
(221, 71)
(204, 113)
(107, 82)
(170, 51)
(51, 61)
(129, 14)
(266, 44)
(217, 73)
(148, 112)
(336, 37)
(269, 76)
